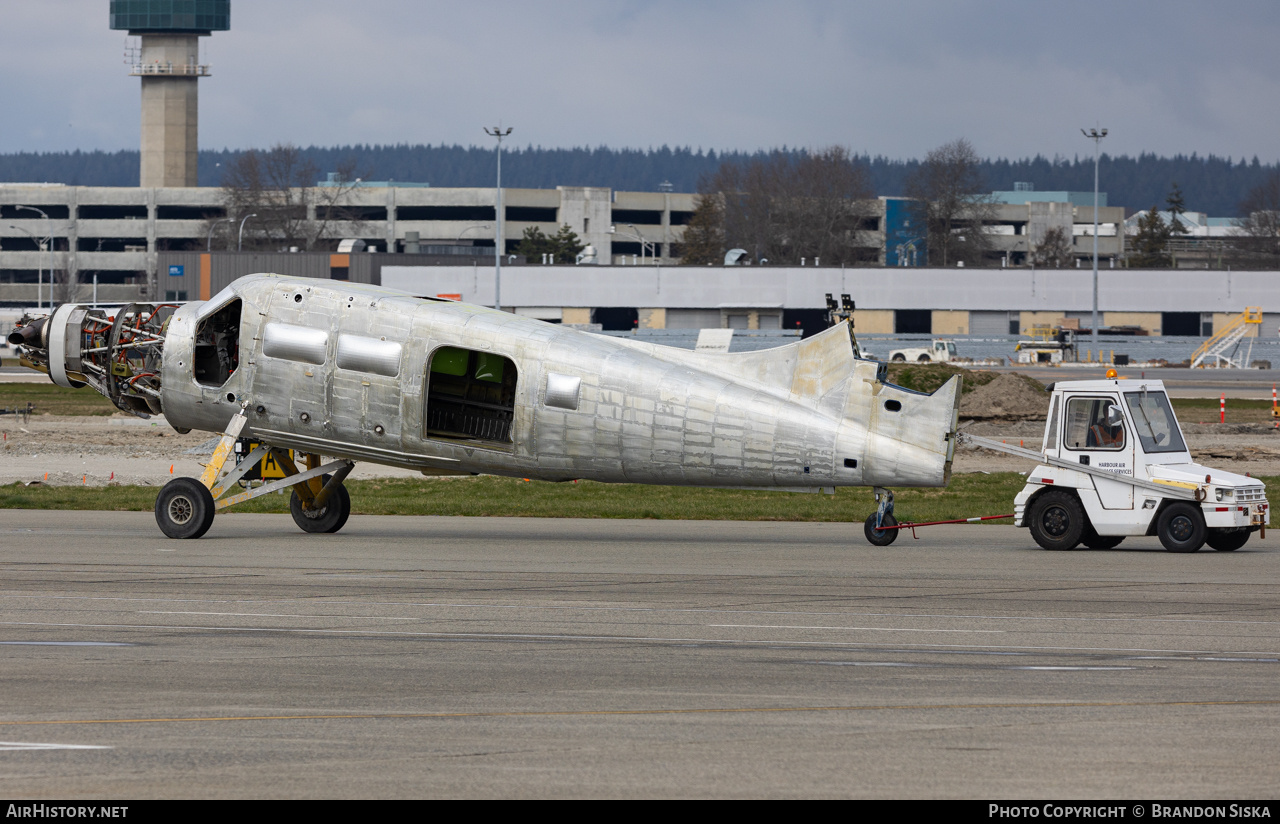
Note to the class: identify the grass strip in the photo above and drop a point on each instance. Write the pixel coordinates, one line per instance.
(968, 496)
(50, 399)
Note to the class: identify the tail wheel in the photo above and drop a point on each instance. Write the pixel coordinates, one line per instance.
(326, 519)
(1181, 528)
(879, 536)
(1057, 520)
(1227, 541)
(184, 508)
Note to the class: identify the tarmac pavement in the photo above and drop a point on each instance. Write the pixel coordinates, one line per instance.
(456, 657)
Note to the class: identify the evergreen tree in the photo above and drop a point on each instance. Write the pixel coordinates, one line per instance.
(534, 244)
(566, 245)
(1150, 246)
(562, 247)
(1177, 208)
(703, 235)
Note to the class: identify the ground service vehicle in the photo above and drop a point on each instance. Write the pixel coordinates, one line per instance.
(1115, 464)
(941, 351)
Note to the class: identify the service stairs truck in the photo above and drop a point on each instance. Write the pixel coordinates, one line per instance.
(1114, 464)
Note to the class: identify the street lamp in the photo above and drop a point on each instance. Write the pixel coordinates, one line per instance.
(240, 240)
(653, 248)
(498, 132)
(470, 228)
(209, 246)
(1096, 136)
(38, 281)
(39, 275)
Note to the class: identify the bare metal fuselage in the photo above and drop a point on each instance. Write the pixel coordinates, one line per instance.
(347, 370)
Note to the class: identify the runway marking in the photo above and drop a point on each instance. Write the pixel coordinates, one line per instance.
(281, 615)
(604, 638)
(584, 608)
(1070, 669)
(948, 666)
(1036, 705)
(65, 644)
(11, 746)
(868, 629)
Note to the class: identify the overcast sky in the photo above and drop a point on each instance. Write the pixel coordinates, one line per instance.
(1015, 77)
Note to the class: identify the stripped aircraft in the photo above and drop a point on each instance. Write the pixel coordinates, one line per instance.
(303, 368)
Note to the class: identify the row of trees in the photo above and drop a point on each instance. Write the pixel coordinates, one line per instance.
(279, 189)
(785, 209)
(1253, 242)
(781, 208)
(1214, 184)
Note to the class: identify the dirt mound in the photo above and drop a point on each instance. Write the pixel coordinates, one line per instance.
(1010, 397)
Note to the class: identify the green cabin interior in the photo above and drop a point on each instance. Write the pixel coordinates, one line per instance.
(470, 395)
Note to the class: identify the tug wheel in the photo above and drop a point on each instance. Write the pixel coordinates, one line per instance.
(184, 508)
(1227, 541)
(880, 537)
(899, 358)
(1181, 528)
(327, 519)
(1057, 520)
(923, 359)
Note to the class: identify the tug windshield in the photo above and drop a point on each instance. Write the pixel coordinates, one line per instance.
(1154, 422)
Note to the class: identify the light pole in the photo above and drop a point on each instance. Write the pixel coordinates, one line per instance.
(38, 281)
(470, 228)
(1096, 136)
(39, 275)
(613, 230)
(209, 245)
(240, 241)
(498, 132)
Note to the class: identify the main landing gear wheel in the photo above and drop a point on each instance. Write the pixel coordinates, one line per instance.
(1057, 520)
(880, 537)
(1093, 540)
(1227, 541)
(1181, 528)
(184, 508)
(327, 519)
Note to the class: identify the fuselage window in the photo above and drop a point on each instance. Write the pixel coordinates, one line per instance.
(377, 356)
(295, 343)
(217, 346)
(470, 395)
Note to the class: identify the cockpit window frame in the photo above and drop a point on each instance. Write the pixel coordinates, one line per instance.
(1107, 400)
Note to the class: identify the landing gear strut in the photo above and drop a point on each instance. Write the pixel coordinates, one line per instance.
(319, 501)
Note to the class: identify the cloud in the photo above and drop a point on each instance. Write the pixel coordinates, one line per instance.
(1017, 79)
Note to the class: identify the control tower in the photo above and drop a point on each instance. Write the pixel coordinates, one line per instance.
(169, 65)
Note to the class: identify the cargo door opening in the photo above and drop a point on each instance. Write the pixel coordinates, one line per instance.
(470, 396)
(217, 346)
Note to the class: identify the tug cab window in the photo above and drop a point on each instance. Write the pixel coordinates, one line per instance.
(470, 395)
(217, 345)
(1094, 423)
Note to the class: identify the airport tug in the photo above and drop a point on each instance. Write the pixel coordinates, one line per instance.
(1114, 464)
